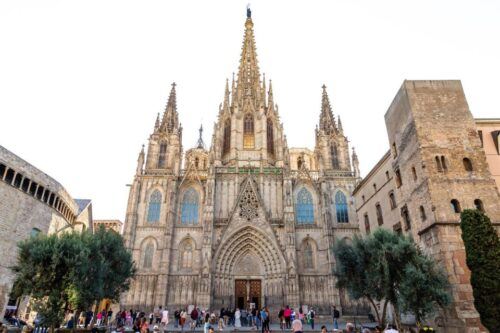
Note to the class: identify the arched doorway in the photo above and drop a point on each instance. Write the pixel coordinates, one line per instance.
(248, 271)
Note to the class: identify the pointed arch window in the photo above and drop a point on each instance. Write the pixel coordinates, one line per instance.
(148, 256)
(186, 254)
(341, 207)
(248, 132)
(304, 207)
(335, 156)
(154, 207)
(162, 155)
(270, 137)
(227, 137)
(308, 255)
(189, 207)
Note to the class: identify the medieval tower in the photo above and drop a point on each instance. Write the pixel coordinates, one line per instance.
(249, 220)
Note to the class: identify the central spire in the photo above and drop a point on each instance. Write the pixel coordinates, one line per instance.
(248, 84)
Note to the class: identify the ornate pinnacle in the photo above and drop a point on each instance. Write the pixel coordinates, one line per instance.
(200, 143)
(170, 117)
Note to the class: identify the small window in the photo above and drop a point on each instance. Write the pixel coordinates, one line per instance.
(46, 196)
(34, 232)
(406, 217)
(467, 164)
(26, 184)
(479, 205)
(367, 224)
(438, 164)
(480, 134)
(394, 150)
(162, 155)
(380, 217)
(443, 163)
(33, 188)
(51, 199)
(9, 176)
(455, 206)
(387, 175)
(299, 162)
(392, 200)
(39, 192)
(196, 162)
(423, 217)
(18, 180)
(2, 170)
(363, 198)
(398, 178)
(414, 172)
(375, 187)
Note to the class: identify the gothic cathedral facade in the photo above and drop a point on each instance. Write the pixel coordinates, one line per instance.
(249, 220)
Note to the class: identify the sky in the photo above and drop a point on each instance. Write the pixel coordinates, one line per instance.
(81, 82)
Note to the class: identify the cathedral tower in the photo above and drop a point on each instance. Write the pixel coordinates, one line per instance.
(240, 224)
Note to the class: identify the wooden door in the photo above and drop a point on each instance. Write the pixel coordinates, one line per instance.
(240, 293)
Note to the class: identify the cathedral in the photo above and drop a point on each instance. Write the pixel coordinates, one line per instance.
(247, 221)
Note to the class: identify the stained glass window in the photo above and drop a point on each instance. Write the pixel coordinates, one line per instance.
(304, 207)
(248, 132)
(227, 137)
(341, 208)
(189, 208)
(154, 207)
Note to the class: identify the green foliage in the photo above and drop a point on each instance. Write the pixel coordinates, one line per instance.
(383, 266)
(71, 269)
(482, 248)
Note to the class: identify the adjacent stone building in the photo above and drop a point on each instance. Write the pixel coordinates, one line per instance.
(115, 225)
(436, 167)
(489, 134)
(31, 202)
(248, 221)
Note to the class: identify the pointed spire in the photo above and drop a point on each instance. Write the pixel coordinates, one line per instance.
(200, 143)
(233, 90)
(339, 123)
(270, 96)
(264, 90)
(157, 122)
(326, 120)
(355, 163)
(170, 120)
(140, 162)
(248, 83)
(226, 96)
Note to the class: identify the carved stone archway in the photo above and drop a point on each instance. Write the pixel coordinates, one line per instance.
(248, 254)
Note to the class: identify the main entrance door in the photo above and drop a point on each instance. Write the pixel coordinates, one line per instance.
(246, 292)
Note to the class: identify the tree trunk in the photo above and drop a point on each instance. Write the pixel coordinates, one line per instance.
(376, 309)
(397, 316)
(384, 313)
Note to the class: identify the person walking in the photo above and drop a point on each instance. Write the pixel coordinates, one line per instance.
(182, 319)
(311, 316)
(164, 318)
(177, 317)
(336, 316)
(287, 313)
(237, 319)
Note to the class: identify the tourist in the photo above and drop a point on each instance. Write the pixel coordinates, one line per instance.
(310, 316)
(128, 318)
(157, 314)
(151, 318)
(194, 319)
(237, 319)
(99, 318)
(323, 329)
(177, 316)
(301, 315)
(281, 318)
(182, 319)
(206, 324)
(221, 325)
(349, 328)
(287, 313)
(108, 318)
(144, 325)
(296, 326)
(164, 318)
(365, 330)
(249, 318)
(336, 316)
(267, 320)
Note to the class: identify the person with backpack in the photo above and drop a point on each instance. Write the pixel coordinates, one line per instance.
(311, 315)
(336, 316)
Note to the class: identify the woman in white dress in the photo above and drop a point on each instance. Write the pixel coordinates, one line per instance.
(237, 319)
